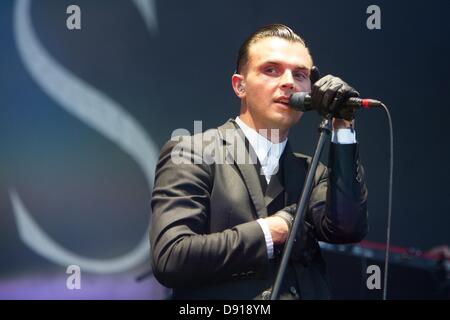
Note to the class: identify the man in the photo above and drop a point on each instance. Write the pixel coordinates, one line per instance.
(219, 227)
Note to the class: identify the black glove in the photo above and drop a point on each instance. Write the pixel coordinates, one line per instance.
(328, 96)
(287, 214)
(304, 249)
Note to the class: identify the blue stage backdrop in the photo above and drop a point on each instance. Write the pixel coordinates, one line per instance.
(84, 112)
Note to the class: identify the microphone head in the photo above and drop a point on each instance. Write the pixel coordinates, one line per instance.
(300, 101)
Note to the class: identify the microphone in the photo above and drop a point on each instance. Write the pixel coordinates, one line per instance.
(301, 101)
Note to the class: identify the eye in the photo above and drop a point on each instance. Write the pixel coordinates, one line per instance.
(271, 70)
(300, 75)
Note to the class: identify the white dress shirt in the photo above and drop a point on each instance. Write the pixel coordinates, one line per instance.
(269, 154)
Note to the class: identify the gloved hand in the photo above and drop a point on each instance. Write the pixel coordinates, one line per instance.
(303, 249)
(287, 214)
(328, 96)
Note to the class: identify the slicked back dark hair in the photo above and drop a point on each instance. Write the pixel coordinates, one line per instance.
(272, 30)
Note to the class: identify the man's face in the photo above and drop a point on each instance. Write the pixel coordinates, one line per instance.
(276, 68)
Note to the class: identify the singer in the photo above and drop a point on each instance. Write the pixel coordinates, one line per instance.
(218, 229)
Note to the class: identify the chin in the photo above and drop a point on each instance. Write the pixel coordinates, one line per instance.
(283, 120)
(280, 123)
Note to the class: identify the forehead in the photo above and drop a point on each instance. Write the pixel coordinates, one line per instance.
(279, 50)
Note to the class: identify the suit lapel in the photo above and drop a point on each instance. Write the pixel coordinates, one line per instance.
(238, 149)
(294, 170)
(274, 188)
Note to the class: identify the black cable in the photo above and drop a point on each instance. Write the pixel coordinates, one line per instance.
(388, 229)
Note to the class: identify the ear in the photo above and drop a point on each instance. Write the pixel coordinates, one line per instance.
(238, 83)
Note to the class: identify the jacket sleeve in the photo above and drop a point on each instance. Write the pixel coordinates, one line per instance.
(182, 250)
(338, 203)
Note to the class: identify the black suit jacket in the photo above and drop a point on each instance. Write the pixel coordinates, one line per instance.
(205, 241)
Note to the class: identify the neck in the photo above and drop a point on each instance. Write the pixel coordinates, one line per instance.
(271, 133)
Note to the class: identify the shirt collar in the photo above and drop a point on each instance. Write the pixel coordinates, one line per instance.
(260, 144)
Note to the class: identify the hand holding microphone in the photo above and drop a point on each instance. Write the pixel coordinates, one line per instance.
(331, 96)
(328, 96)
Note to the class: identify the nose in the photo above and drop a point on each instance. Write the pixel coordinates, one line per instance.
(287, 80)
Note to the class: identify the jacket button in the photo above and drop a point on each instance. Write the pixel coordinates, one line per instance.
(266, 295)
(293, 291)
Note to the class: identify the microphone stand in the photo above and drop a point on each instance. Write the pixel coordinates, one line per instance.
(324, 130)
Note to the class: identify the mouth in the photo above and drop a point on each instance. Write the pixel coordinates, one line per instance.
(283, 101)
